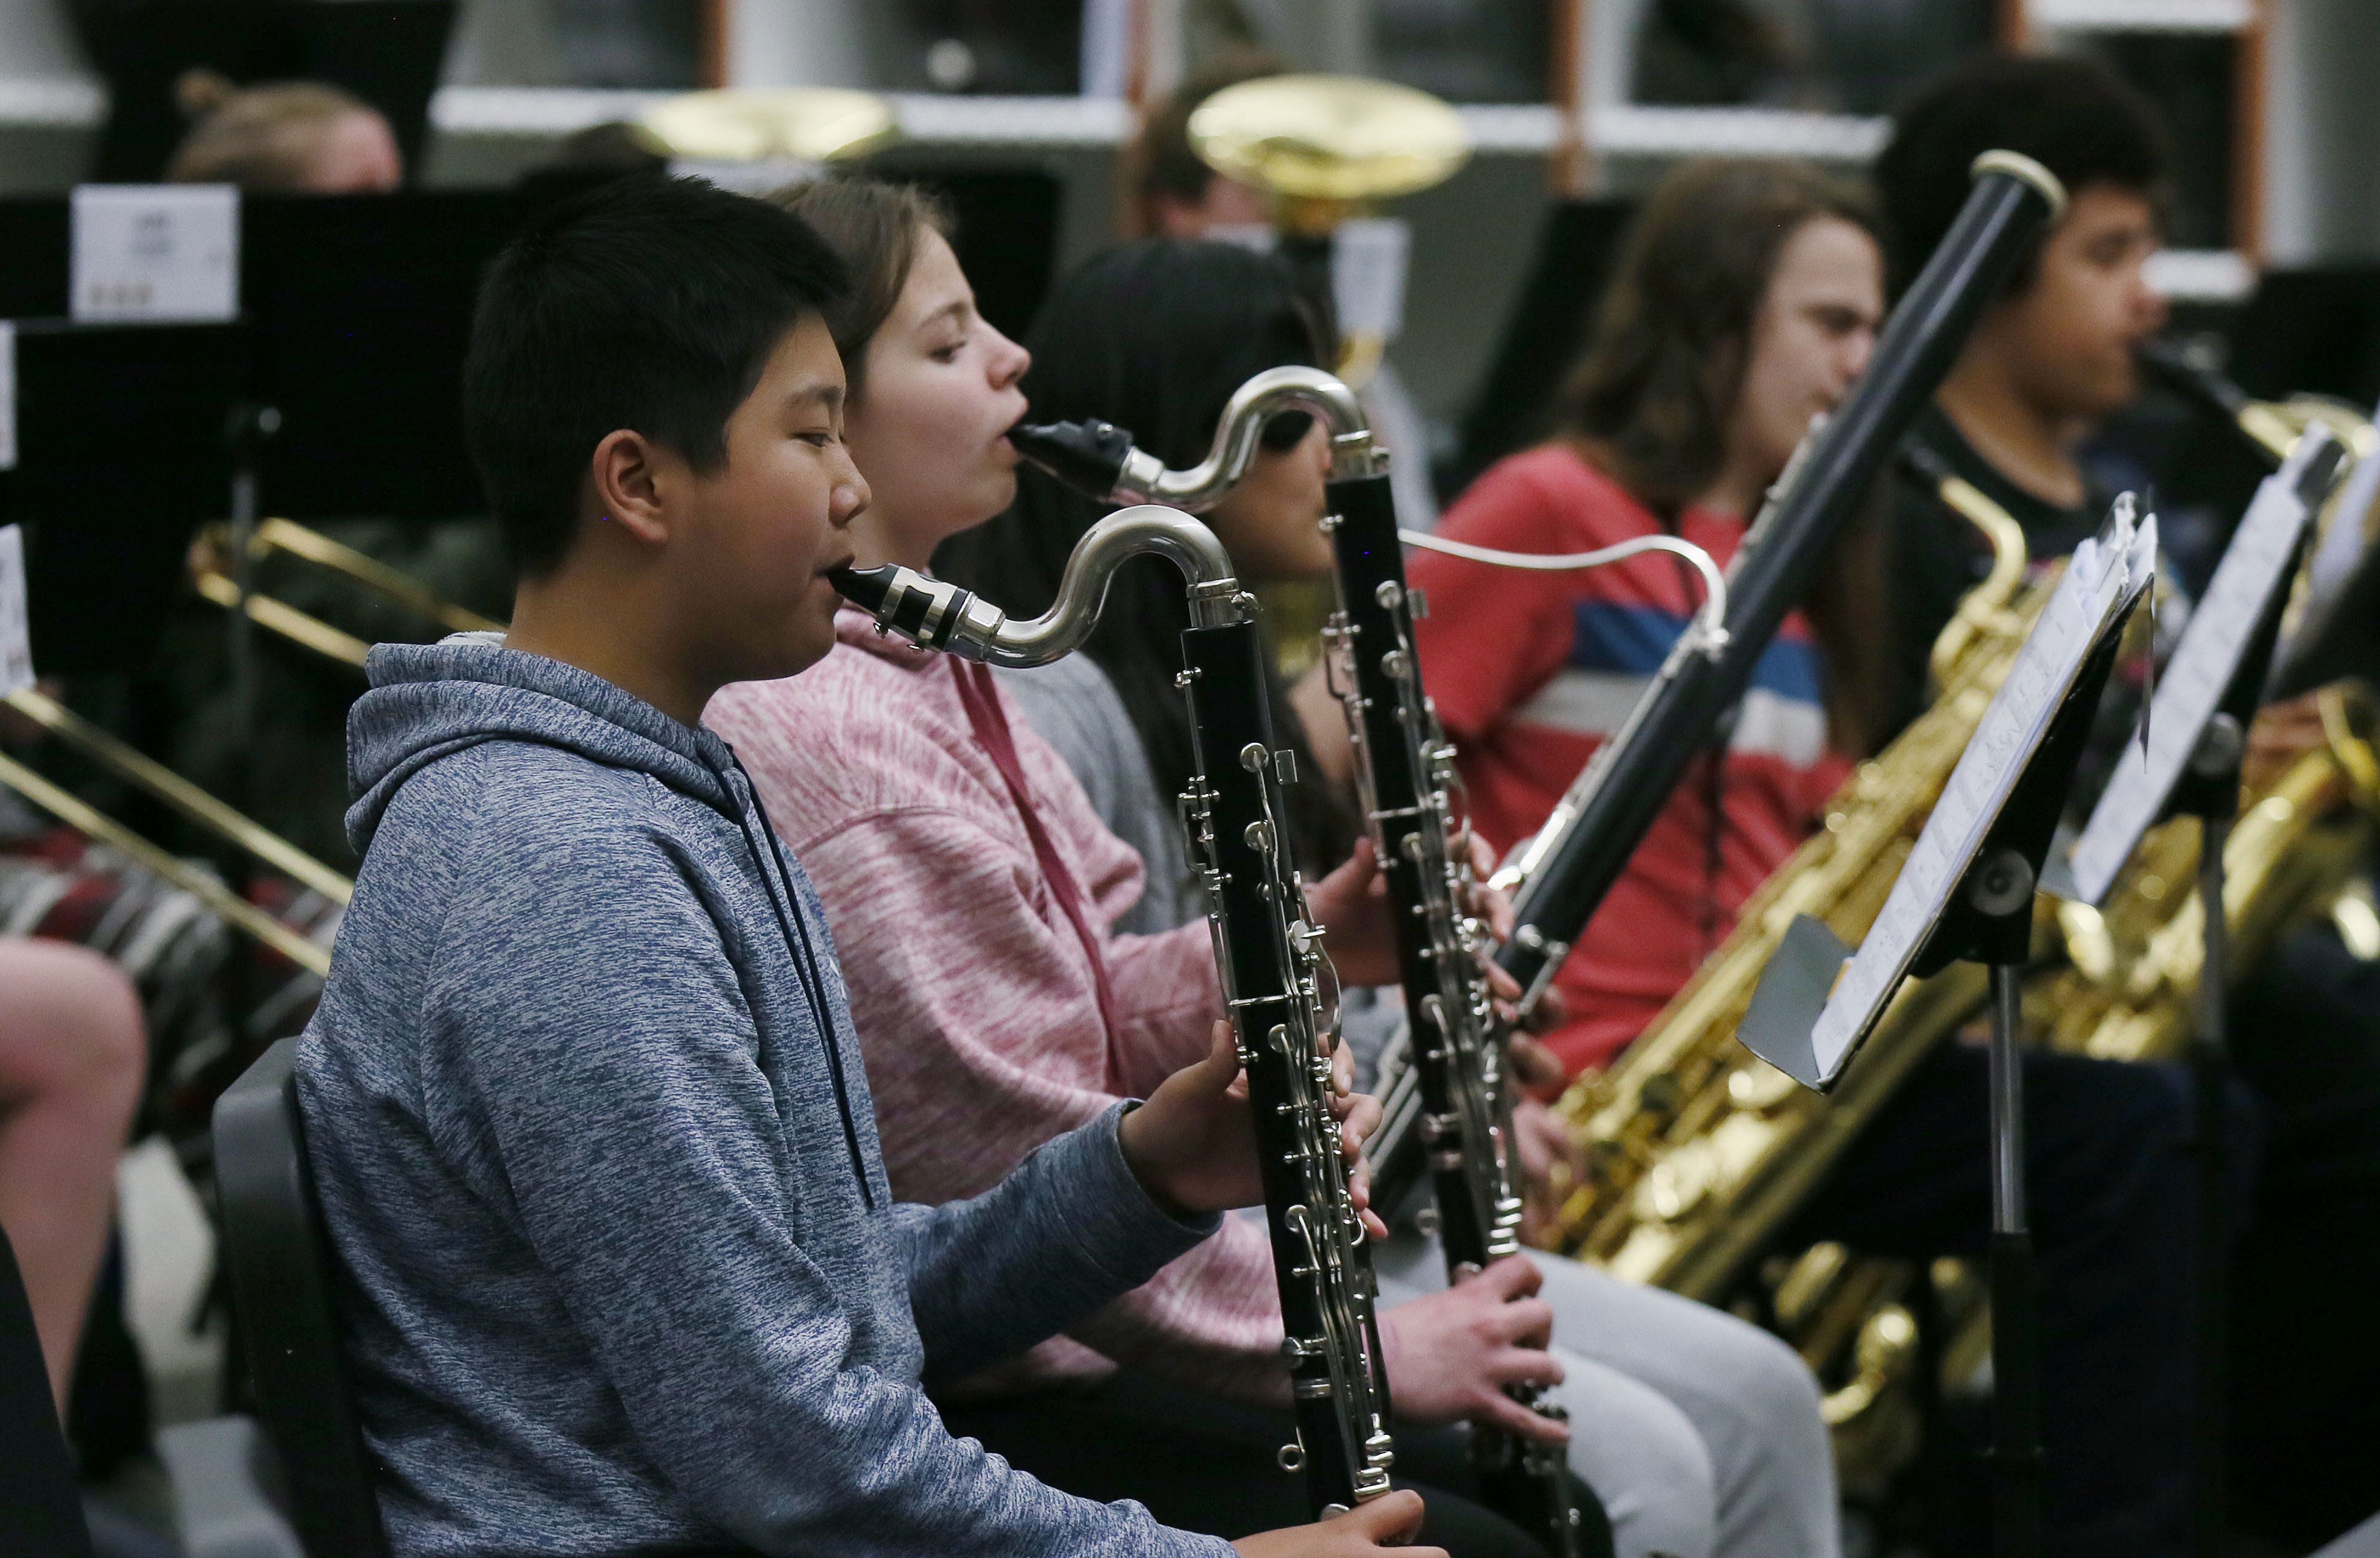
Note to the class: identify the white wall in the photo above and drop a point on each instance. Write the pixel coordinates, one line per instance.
(36, 40)
(2322, 180)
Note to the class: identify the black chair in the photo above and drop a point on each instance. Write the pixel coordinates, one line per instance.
(279, 1258)
(40, 1510)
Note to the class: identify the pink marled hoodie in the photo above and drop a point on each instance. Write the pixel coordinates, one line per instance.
(973, 996)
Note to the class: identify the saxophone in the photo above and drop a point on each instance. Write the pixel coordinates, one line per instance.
(1452, 1101)
(1697, 1152)
(1269, 956)
(1694, 1152)
(1693, 1149)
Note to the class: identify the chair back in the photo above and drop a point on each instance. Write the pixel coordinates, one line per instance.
(40, 1510)
(280, 1264)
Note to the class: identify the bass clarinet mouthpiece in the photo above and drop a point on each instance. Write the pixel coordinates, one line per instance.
(927, 612)
(1093, 457)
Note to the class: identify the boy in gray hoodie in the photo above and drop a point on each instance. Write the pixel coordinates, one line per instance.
(623, 1274)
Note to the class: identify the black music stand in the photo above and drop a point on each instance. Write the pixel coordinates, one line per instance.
(1965, 895)
(2188, 765)
(121, 455)
(2338, 633)
(359, 309)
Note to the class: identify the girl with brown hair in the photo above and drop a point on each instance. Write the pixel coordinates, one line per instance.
(1744, 304)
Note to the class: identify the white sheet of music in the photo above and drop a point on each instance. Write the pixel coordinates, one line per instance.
(2201, 668)
(7, 395)
(155, 251)
(2106, 574)
(15, 636)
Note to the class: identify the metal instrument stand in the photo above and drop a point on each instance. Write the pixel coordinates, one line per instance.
(249, 427)
(2211, 793)
(1999, 889)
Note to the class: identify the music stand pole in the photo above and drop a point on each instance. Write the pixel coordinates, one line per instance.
(2215, 762)
(2001, 886)
(250, 425)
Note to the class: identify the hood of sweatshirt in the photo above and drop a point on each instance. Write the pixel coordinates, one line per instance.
(429, 701)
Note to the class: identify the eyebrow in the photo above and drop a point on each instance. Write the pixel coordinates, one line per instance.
(959, 307)
(826, 395)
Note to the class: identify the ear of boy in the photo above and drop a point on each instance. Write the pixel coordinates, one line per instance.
(603, 608)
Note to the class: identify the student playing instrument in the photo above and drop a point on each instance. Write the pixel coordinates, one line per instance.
(1743, 303)
(970, 890)
(1025, 1009)
(594, 1143)
(2047, 367)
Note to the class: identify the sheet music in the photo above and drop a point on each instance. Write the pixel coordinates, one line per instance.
(16, 637)
(2202, 666)
(155, 251)
(2335, 560)
(7, 395)
(2106, 574)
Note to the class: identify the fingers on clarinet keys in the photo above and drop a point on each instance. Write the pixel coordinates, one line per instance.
(1388, 1521)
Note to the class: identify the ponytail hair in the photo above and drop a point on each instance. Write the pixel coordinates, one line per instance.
(258, 138)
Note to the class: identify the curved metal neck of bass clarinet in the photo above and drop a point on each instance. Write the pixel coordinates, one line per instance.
(1270, 393)
(938, 615)
(1101, 461)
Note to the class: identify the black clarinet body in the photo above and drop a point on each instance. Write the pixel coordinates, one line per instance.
(1271, 964)
(1269, 955)
(1406, 770)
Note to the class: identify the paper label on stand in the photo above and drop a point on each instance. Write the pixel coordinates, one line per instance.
(2202, 666)
(8, 395)
(156, 252)
(2107, 575)
(1369, 258)
(16, 629)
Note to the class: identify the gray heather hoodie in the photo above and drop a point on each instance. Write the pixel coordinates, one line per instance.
(596, 1148)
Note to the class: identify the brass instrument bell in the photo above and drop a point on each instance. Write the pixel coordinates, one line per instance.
(1324, 146)
(791, 124)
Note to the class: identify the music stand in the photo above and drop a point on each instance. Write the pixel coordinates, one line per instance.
(121, 455)
(2334, 637)
(2188, 764)
(359, 309)
(1965, 894)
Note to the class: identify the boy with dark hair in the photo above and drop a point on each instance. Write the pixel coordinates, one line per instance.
(623, 1270)
(2054, 356)
(2082, 123)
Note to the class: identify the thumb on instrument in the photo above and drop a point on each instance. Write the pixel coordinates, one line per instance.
(1222, 1060)
(1390, 1520)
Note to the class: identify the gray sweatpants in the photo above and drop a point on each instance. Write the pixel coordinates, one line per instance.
(1700, 1434)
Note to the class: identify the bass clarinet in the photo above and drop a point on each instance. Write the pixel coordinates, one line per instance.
(1455, 1087)
(1269, 955)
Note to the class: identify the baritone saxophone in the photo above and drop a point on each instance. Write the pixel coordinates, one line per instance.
(1695, 1152)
